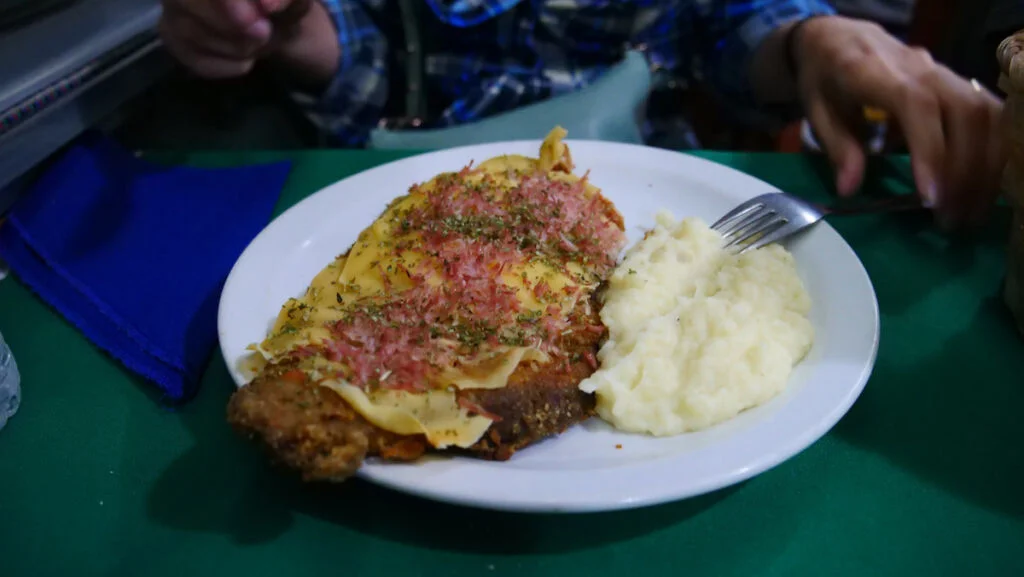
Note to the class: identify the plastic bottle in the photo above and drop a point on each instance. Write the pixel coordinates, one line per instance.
(10, 384)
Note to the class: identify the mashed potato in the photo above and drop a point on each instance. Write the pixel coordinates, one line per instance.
(697, 334)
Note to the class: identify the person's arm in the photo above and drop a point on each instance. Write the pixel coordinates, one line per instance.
(329, 51)
(951, 125)
(772, 78)
(308, 51)
(741, 44)
(344, 76)
(841, 65)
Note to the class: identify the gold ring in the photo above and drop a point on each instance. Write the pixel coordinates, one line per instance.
(872, 114)
(976, 85)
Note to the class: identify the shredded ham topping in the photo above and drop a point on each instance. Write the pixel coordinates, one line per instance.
(459, 307)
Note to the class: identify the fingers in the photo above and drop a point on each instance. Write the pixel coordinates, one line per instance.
(839, 142)
(887, 75)
(274, 6)
(994, 161)
(970, 119)
(952, 129)
(200, 38)
(920, 119)
(285, 13)
(214, 38)
(918, 112)
(205, 64)
(999, 150)
(960, 132)
(232, 18)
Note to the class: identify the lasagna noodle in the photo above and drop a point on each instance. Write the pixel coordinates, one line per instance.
(434, 414)
(370, 269)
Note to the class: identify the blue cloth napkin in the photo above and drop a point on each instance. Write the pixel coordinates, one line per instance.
(135, 254)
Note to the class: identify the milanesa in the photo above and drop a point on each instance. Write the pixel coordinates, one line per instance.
(463, 319)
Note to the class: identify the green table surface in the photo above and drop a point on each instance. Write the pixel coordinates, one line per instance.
(923, 477)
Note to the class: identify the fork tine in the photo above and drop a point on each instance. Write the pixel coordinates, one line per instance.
(773, 236)
(737, 213)
(744, 223)
(766, 224)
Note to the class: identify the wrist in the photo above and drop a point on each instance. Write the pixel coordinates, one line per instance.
(306, 48)
(794, 46)
(776, 65)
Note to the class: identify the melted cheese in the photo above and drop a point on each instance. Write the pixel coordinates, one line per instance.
(434, 414)
(492, 372)
(370, 269)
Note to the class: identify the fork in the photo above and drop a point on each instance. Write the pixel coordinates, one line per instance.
(772, 217)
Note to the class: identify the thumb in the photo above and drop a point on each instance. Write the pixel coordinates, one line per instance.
(839, 142)
(285, 12)
(272, 6)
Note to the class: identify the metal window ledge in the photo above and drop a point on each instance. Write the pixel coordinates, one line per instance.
(66, 73)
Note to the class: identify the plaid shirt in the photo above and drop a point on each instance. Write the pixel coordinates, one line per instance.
(490, 56)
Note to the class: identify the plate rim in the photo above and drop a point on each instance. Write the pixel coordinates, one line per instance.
(371, 473)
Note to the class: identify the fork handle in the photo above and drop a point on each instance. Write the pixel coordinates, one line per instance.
(903, 202)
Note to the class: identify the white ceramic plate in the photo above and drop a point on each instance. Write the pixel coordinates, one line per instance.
(584, 469)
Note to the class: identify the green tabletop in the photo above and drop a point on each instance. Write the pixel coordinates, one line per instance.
(924, 476)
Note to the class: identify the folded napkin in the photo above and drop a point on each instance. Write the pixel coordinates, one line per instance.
(134, 254)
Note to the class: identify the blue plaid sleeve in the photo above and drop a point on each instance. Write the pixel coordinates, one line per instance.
(464, 13)
(354, 100)
(729, 32)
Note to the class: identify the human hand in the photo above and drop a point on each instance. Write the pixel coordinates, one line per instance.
(951, 125)
(224, 38)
